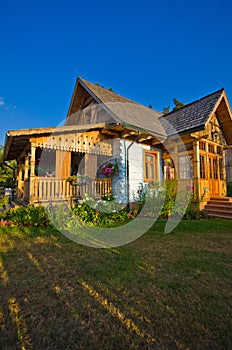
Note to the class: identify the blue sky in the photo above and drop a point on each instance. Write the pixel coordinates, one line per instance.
(148, 51)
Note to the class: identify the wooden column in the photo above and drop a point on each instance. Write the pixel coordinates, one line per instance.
(19, 179)
(90, 165)
(26, 167)
(32, 195)
(63, 164)
(196, 169)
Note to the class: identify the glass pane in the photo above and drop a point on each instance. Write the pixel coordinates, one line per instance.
(210, 168)
(149, 158)
(146, 170)
(152, 175)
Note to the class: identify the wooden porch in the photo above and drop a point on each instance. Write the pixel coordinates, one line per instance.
(41, 189)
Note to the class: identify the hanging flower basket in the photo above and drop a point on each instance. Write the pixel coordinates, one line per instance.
(109, 169)
(78, 179)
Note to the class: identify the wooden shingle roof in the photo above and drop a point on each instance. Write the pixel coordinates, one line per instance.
(193, 116)
(121, 109)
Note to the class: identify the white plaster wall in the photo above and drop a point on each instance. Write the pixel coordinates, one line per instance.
(136, 169)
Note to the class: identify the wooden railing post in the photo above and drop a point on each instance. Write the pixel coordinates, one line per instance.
(196, 169)
(33, 195)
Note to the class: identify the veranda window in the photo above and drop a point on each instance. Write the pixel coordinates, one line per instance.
(185, 167)
(202, 167)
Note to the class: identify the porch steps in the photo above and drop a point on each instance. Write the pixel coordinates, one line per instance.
(220, 207)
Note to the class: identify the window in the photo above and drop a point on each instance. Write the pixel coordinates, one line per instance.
(215, 168)
(168, 169)
(150, 166)
(211, 168)
(185, 171)
(211, 148)
(219, 150)
(202, 145)
(202, 167)
(221, 169)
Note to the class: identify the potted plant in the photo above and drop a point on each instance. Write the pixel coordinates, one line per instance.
(109, 169)
(78, 179)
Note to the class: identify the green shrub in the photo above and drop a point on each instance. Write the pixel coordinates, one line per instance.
(29, 216)
(103, 212)
(4, 200)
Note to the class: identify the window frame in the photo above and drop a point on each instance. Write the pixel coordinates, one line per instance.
(155, 164)
(185, 171)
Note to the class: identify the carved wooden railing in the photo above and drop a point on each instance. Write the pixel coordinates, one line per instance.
(46, 189)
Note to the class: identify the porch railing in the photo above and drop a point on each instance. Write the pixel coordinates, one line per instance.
(54, 189)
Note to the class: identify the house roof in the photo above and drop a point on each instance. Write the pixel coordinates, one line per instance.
(195, 116)
(121, 109)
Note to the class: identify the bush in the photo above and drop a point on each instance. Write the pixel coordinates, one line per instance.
(29, 216)
(103, 212)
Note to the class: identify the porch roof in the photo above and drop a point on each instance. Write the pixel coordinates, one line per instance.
(18, 140)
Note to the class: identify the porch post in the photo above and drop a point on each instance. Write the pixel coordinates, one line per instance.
(26, 167)
(19, 179)
(196, 169)
(32, 195)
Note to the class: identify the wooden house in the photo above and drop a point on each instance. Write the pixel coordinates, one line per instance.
(101, 126)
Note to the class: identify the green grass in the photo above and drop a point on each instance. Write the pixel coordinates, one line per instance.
(163, 291)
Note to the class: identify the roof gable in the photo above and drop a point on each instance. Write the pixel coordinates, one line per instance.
(196, 115)
(122, 110)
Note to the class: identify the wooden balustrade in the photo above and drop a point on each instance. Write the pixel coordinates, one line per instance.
(46, 189)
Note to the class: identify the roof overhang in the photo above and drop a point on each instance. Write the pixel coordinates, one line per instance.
(19, 140)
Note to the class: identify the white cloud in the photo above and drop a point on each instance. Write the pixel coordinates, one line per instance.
(1, 101)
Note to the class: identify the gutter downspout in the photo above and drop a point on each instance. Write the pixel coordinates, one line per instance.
(127, 167)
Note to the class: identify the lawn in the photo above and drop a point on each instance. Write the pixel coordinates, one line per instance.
(162, 291)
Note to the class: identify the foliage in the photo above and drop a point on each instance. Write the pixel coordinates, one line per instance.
(4, 200)
(6, 173)
(102, 212)
(160, 199)
(78, 179)
(166, 110)
(29, 216)
(178, 104)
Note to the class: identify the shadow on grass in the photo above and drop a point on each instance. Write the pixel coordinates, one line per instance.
(161, 291)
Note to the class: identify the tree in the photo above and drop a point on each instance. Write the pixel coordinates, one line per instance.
(178, 104)
(7, 171)
(166, 110)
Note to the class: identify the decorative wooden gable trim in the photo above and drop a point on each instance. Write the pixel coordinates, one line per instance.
(222, 116)
(89, 142)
